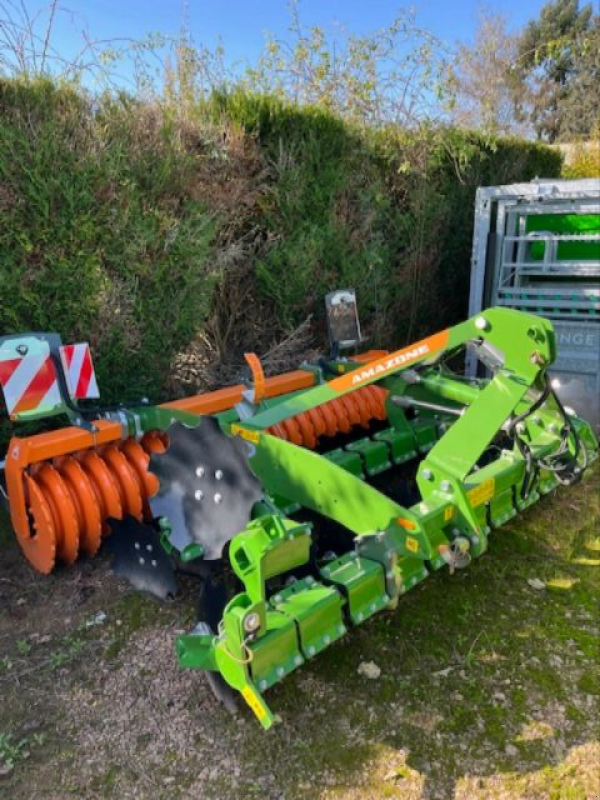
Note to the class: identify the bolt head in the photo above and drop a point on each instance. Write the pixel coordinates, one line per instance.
(446, 486)
(251, 622)
(482, 324)
(198, 494)
(427, 474)
(218, 498)
(219, 474)
(200, 472)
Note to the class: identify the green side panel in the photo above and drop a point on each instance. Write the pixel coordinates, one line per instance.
(196, 651)
(361, 581)
(316, 609)
(502, 507)
(351, 462)
(577, 224)
(507, 473)
(275, 654)
(375, 455)
(425, 434)
(400, 442)
(409, 572)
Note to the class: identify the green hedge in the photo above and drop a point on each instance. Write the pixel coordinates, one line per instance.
(125, 227)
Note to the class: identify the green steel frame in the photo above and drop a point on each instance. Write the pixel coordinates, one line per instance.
(263, 636)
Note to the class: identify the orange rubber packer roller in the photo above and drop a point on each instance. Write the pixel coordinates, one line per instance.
(70, 498)
(336, 416)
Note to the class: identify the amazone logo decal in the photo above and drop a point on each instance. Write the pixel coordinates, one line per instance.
(388, 364)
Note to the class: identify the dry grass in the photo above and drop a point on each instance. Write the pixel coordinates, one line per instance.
(489, 688)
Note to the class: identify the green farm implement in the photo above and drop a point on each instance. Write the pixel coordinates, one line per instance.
(305, 503)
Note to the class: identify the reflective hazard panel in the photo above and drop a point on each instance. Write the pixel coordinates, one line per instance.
(79, 371)
(28, 376)
(28, 380)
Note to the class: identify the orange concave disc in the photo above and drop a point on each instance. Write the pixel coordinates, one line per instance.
(40, 547)
(63, 512)
(85, 502)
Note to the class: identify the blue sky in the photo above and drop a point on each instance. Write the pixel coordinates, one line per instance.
(241, 24)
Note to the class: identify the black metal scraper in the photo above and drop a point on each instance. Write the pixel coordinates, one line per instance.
(140, 558)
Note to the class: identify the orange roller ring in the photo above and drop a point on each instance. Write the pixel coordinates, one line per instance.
(62, 511)
(336, 416)
(84, 502)
(70, 497)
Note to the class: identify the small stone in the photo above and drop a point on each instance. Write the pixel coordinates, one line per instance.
(369, 669)
(99, 618)
(443, 673)
(511, 750)
(536, 584)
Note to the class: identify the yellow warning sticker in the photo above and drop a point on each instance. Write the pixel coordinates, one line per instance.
(412, 544)
(482, 493)
(246, 433)
(448, 513)
(251, 698)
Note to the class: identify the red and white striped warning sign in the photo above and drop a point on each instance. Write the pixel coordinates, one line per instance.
(81, 378)
(29, 383)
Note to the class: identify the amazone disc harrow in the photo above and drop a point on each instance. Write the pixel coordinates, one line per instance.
(305, 504)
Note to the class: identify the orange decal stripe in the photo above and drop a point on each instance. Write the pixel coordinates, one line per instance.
(390, 363)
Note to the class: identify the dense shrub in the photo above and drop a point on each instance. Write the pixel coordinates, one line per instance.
(100, 237)
(154, 237)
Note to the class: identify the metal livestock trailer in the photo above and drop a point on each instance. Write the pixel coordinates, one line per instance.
(536, 248)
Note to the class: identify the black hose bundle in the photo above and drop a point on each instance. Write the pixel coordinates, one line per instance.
(565, 465)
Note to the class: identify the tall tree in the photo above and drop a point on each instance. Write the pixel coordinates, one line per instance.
(549, 51)
(580, 106)
(481, 78)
